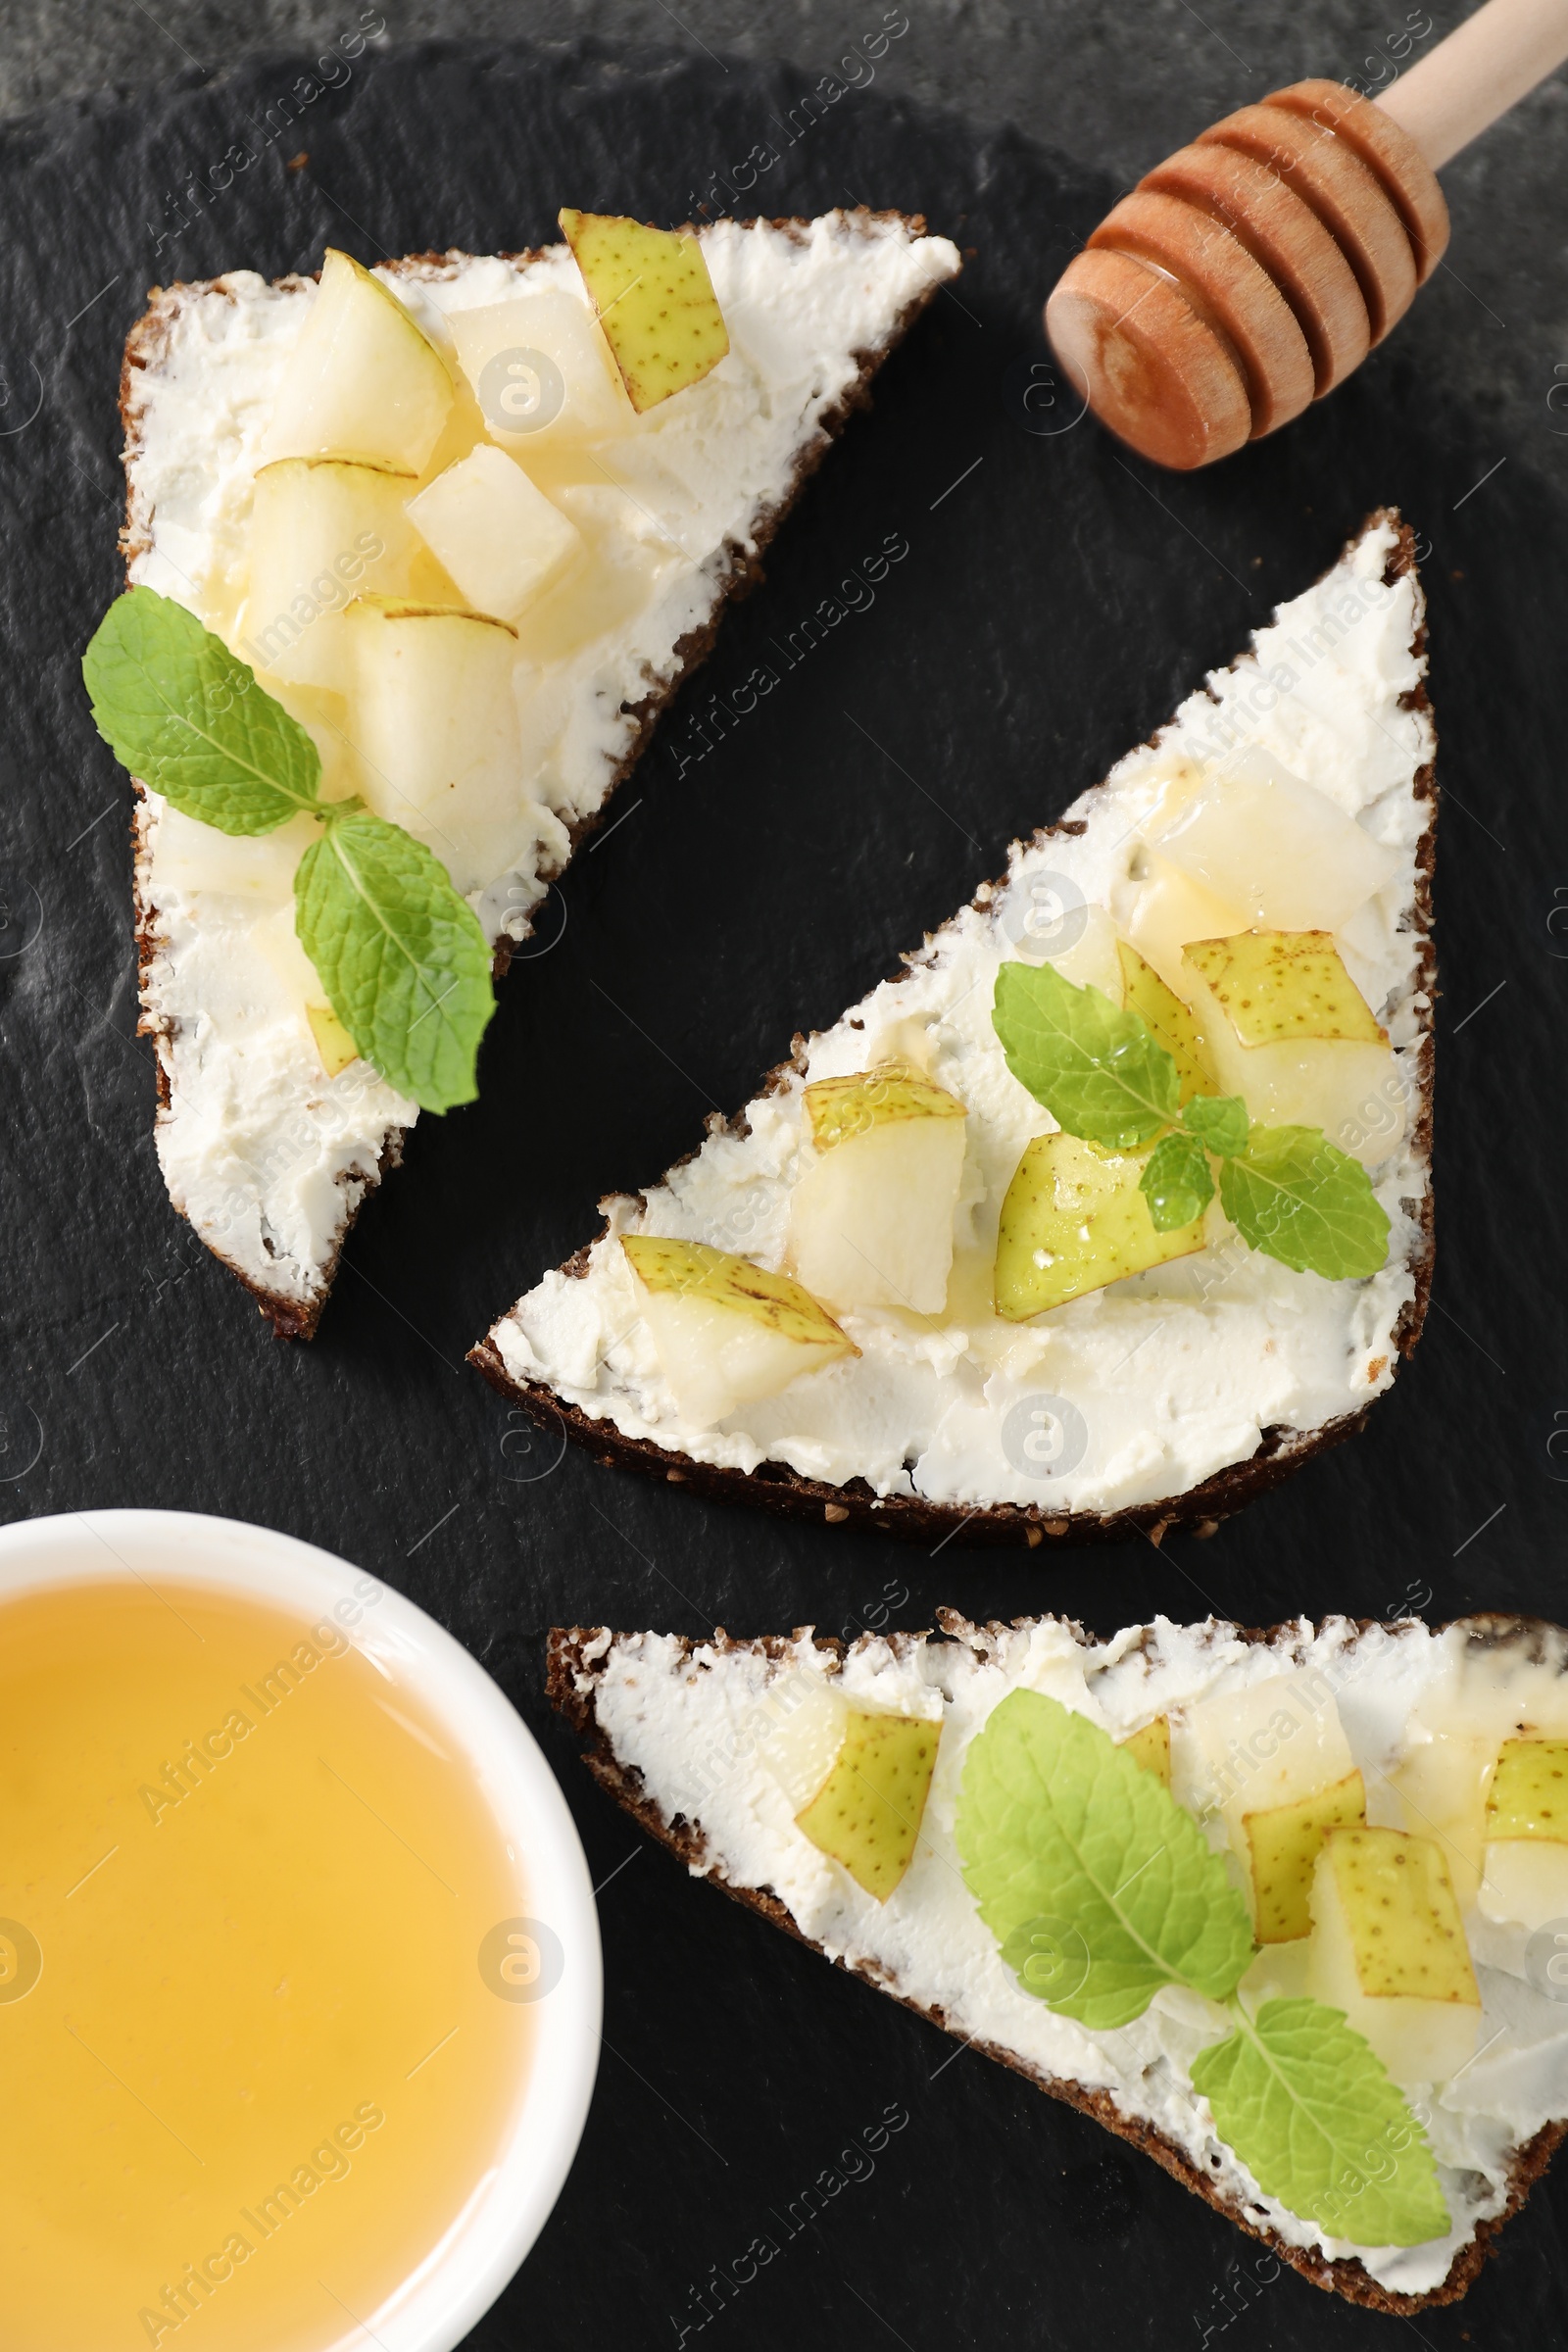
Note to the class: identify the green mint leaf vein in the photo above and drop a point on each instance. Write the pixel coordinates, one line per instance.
(1177, 1183)
(1082, 1861)
(1309, 2109)
(1219, 1121)
(187, 719)
(1296, 1196)
(1102, 1073)
(401, 956)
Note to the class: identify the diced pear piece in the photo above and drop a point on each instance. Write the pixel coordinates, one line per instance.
(1075, 1220)
(364, 380)
(323, 532)
(798, 1728)
(1150, 1747)
(1283, 1843)
(541, 370)
(1441, 1782)
(333, 1041)
(1173, 1022)
(1273, 1761)
(871, 1218)
(1268, 1743)
(1524, 1866)
(1093, 960)
(1275, 846)
(1171, 909)
(655, 300)
(434, 719)
(1389, 1948)
(726, 1333)
(498, 537)
(276, 940)
(1529, 1793)
(256, 866)
(1525, 1880)
(1287, 1029)
(842, 1110)
(867, 1812)
(1272, 986)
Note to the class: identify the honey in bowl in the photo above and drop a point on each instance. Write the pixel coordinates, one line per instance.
(264, 1969)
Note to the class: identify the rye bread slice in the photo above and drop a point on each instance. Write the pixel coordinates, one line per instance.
(577, 1657)
(1280, 1450)
(294, 1314)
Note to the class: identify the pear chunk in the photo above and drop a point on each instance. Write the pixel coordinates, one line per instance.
(1273, 1761)
(1271, 987)
(867, 1812)
(726, 1333)
(323, 532)
(1442, 1782)
(541, 371)
(1275, 846)
(871, 1218)
(364, 380)
(1075, 1220)
(1283, 1843)
(435, 724)
(1286, 1028)
(333, 1041)
(798, 1730)
(655, 300)
(1173, 1023)
(1171, 909)
(275, 937)
(1525, 1864)
(498, 537)
(1389, 1948)
(1150, 1747)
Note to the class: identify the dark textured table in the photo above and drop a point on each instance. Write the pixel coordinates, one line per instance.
(1058, 601)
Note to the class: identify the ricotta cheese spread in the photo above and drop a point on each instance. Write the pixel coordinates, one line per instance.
(1166, 1376)
(704, 1727)
(266, 1155)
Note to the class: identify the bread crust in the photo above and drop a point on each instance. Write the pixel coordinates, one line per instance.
(568, 1668)
(146, 343)
(777, 1488)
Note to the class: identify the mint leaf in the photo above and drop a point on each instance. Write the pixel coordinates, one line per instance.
(1101, 1073)
(401, 958)
(1097, 1884)
(1219, 1121)
(1177, 1184)
(1309, 2109)
(1295, 1196)
(190, 721)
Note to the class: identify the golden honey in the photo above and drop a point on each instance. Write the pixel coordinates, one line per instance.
(257, 1925)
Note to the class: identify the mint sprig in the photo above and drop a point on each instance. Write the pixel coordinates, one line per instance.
(1104, 1077)
(1056, 1822)
(178, 710)
(1100, 1888)
(400, 955)
(404, 963)
(1297, 1198)
(1305, 2103)
(1102, 1073)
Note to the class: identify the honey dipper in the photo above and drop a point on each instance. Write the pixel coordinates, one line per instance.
(1249, 273)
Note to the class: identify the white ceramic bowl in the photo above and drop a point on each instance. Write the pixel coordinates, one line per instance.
(461, 2276)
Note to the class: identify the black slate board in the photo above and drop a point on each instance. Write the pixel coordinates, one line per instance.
(1057, 602)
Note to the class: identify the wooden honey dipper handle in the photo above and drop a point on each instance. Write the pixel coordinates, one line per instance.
(1249, 273)
(1487, 65)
